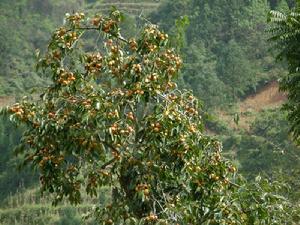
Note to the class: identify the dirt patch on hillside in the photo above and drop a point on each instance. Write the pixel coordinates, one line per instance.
(268, 97)
(6, 100)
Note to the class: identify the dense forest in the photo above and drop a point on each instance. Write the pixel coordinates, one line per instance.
(229, 64)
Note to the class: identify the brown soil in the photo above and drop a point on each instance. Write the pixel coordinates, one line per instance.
(6, 100)
(268, 97)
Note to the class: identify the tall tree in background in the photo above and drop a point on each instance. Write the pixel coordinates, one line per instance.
(199, 75)
(234, 69)
(285, 34)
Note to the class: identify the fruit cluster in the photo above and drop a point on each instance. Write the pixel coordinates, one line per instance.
(75, 18)
(143, 188)
(151, 218)
(93, 63)
(66, 38)
(17, 110)
(95, 21)
(65, 77)
(117, 130)
(108, 25)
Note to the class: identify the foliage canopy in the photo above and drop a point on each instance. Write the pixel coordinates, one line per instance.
(285, 34)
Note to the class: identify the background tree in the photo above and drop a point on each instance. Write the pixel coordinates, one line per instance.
(199, 74)
(284, 30)
(234, 70)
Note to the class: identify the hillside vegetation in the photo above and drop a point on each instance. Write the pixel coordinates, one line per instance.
(227, 63)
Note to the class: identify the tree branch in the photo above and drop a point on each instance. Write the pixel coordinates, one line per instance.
(111, 147)
(108, 163)
(97, 28)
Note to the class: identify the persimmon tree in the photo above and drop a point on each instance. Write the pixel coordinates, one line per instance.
(115, 118)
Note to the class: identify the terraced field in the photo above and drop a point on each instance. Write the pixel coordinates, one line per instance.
(131, 7)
